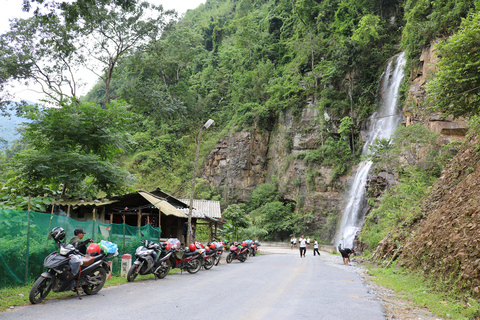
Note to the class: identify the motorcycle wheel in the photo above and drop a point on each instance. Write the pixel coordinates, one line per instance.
(217, 259)
(243, 257)
(132, 273)
(230, 257)
(164, 270)
(99, 276)
(208, 263)
(194, 266)
(40, 290)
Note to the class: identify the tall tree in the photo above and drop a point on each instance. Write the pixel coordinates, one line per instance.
(40, 51)
(74, 148)
(111, 31)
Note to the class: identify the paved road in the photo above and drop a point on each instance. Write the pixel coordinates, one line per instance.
(269, 286)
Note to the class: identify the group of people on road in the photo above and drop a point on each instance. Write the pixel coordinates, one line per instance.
(304, 244)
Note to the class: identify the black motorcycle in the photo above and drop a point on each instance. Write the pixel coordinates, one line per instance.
(149, 261)
(68, 269)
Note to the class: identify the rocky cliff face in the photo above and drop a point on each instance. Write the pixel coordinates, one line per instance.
(415, 110)
(245, 159)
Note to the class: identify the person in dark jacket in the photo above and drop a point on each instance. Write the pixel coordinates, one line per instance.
(77, 242)
(346, 255)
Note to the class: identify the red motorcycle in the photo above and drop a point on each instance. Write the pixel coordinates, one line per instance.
(254, 248)
(238, 251)
(189, 259)
(208, 255)
(218, 247)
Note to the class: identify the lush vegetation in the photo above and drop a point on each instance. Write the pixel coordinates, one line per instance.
(439, 298)
(400, 156)
(240, 62)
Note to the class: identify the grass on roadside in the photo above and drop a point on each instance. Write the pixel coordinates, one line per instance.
(18, 296)
(416, 288)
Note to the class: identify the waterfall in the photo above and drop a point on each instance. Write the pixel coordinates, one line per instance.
(382, 124)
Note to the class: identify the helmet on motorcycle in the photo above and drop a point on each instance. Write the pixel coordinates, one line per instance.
(93, 249)
(58, 234)
(192, 247)
(212, 246)
(244, 244)
(168, 246)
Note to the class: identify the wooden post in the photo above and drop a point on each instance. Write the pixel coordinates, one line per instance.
(68, 210)
(210, 232)
(123, 217)
(148, 219)
(93, 212)
(139, 218)
(51, 217)
(159, 224)
(111, 217)
(216, 225)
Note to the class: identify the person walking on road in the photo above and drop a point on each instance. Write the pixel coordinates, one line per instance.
(308, 243)
(294, 241)
(302, 242)
(315, 247)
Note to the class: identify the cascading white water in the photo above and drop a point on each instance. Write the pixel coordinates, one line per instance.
(382, 125)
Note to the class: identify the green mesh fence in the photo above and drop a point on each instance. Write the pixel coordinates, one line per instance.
(25, 242)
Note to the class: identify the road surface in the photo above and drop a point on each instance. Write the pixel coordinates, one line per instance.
(275, 285)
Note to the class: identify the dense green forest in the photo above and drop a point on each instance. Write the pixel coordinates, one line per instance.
(239, 62)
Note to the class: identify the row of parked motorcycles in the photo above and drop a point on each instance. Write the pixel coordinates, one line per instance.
(159, 258)
(69, 269)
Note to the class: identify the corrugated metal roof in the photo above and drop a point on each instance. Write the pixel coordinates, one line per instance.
(162, 204)
(207, 207)
(195, 213)
(80, 202)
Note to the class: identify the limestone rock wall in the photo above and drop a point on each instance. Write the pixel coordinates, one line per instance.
(244, 159)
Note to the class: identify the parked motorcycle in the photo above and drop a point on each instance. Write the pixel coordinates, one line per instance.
(254, 248)
(68, 269)
(209, 255)
(238, 251)
(189, 259)
(148, 261)
(218, 248)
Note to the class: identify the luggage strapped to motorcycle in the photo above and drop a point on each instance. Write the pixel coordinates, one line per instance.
(180, 254)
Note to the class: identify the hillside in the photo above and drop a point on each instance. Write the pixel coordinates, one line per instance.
(442, 239)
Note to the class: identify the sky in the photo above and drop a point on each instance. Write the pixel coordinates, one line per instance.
(13, 9)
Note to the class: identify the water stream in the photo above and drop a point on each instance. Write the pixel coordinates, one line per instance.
(382, 124)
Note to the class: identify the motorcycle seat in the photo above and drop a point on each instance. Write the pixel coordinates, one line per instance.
(87, 260)
(189, 254)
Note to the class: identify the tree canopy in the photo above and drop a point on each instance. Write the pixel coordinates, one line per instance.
(74, 149)
(455, 89)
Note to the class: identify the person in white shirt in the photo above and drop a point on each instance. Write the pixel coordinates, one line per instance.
(294, 241)
(315, 247)
(302, 245)
(308, 242)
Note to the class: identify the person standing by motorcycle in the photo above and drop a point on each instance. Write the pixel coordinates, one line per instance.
(302, 243)
(77, 242)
